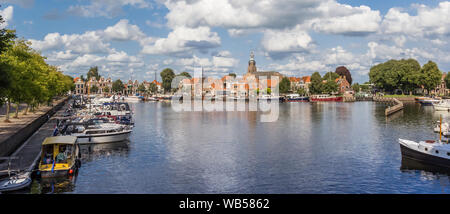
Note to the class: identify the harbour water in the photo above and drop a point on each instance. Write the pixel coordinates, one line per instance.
(311, 148)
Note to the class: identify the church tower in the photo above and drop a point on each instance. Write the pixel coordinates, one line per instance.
(251, 64)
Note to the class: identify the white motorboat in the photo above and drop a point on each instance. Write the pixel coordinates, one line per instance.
(133, 99)
(97, 133)
(429, 152)
(442, 105)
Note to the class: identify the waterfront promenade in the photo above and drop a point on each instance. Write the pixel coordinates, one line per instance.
(29, 151)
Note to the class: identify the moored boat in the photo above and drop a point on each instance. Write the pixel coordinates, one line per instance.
(442, 105)
(59, 156)
(325, 98)
(429, 152)
(295, 98)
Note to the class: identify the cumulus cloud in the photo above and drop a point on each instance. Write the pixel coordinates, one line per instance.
(278, 43)
(123, 31)
(7, 15)
(183, 39)
(428, 22)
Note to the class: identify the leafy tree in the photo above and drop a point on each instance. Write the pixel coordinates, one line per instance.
(330, 76)
(93, 72)
(447, 80)
(106, 89)
(330, 86)
(167, 76)
(284, 85)
(301, 91)
(232, 74)
(396, 74)
(431, 76)
(316, 83)
(94, 89)
(186, 74)
(141, 88)
(153, 88)
(343, 71)
(6, 40)
(117, 86)
(356, 87)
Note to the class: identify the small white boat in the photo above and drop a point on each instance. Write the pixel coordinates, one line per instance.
(133, 99)
(15, 182)
(442, 105)
(431, 152)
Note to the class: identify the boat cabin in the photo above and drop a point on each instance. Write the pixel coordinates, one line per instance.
(58, 153)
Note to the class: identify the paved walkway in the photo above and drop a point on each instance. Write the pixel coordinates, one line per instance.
(29, 152)
(8, 129)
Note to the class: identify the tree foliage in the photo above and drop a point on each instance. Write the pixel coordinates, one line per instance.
(405, 74)
(153, 88)
(141, 88)
(117, 86)
(316, 83)
(167, 76)
(93, 72)
(285, 85)
(186, 74)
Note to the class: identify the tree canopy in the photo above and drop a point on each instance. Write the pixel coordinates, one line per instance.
(117, 86)
(405, 74)
(167, 76)
(93, 72)
(284, 85)
(186, 74)
(316, 83)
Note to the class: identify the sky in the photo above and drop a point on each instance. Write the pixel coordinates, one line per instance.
(134, 39)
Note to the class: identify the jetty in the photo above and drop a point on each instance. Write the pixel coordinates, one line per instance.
(398, 105)
(27, 155)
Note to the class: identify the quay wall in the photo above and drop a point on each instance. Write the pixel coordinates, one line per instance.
(11, 144)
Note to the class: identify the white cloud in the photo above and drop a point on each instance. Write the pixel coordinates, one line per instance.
(279, 43)
(344, 19)
(428, 22)
(106, 8)
(183, 39)
(7, 15)
(123, 31)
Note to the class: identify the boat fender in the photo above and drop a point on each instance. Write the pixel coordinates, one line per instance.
(70, 171)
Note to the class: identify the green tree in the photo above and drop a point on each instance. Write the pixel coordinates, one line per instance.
(330, 76)
(93, 72)
(447, 80)
(232, 74)
(167, 76)
(316, 83)
(6, 40)
(301, 91)
(186, 74)
(431, 76)
(94, 89)
(330, 86)
(356, 87)
(153, 88)
(396, 74)
(106, 89)
(117, 86)
(141, 88)
(284, 85)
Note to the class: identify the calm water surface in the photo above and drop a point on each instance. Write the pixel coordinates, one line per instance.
(312, 148)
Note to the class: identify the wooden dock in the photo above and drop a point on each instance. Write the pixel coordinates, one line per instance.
(392, 109)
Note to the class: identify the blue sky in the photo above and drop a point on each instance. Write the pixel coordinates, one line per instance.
(136, 38)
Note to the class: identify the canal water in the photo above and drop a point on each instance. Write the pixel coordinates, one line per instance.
(311, 148)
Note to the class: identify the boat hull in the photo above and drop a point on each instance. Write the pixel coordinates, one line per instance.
(423, 157)
(330, 99)
(299, 99)
(109, 138)
(59, 173)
